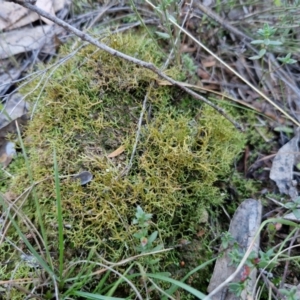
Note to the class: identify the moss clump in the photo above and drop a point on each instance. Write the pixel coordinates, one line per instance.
(89, 107)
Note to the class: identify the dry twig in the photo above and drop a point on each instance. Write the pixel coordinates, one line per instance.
(113, 52)
(137, 136)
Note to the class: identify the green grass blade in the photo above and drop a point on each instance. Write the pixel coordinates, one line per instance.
(39, 259)
(174, 287)
(82, 278)
(180, 284)
(118, 282)
(59, 219)
(96, 297)
(100, 286)
(36, 201)
(143, 24)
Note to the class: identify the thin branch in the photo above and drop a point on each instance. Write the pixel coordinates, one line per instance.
(113, 52)
(137, 136)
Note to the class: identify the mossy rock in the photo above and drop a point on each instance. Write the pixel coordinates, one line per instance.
(90, 106)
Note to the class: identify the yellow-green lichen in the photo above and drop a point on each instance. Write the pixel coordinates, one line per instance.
(89, 107)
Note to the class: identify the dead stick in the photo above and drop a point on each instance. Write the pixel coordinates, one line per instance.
(137, 136)
(144, 64)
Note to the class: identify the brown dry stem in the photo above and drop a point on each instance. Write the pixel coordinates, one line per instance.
(86, 37)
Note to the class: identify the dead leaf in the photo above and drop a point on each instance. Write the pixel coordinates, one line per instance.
(46, 5)
(203, 74)
(117, 152)
(10, 14)
(15, 107)
(23, 40)
(208, 62)
(7, 152)
(187, 49)
(283, 166)
(243, 228)
(12, 127)
(13, 111)
(15, 16)
(7, 76)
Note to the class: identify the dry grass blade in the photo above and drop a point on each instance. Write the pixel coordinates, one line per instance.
(231, 69)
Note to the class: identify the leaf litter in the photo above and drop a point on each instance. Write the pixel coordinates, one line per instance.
(13, 115)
